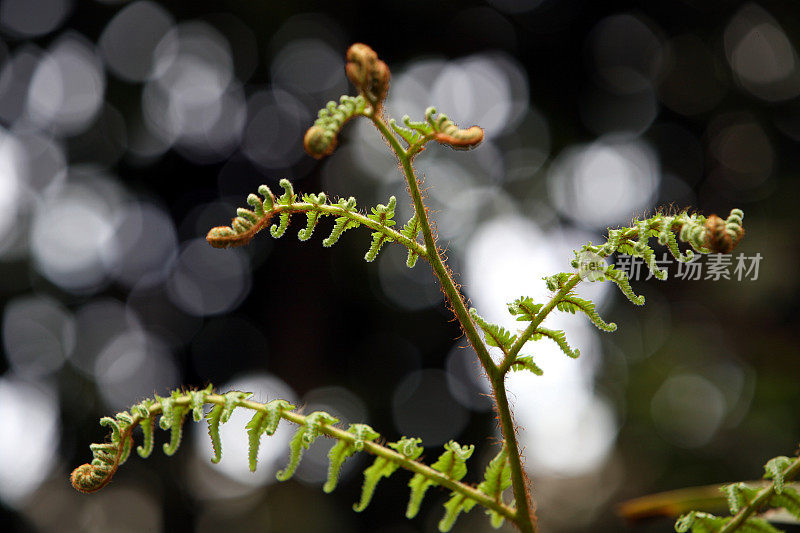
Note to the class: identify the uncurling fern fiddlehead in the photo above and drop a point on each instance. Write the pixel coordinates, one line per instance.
(173, 409)
(371, 77)
(315, 206)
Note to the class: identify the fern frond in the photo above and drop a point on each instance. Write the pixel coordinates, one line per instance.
(745, 501)
(446, 472)
(381, 220)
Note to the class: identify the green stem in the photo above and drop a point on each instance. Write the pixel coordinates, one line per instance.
(761, 499)
(525, 519)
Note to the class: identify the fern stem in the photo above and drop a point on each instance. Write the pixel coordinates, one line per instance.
(524, 517)
(540, 316)
(761, 498)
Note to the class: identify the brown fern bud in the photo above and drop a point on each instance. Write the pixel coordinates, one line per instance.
(722, 236)
(368, 73)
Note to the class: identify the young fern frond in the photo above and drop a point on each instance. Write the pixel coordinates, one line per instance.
(745, 501)
(446, 472)
(316, 206)
(452, 463)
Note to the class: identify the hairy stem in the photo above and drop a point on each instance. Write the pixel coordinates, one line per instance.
(761, 498)
(525, 518)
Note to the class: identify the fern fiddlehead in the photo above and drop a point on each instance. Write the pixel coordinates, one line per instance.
(403, 454)
(248, 223)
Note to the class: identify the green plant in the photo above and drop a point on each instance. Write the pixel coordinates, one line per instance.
(407, 140)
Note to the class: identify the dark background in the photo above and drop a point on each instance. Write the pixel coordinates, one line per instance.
(108, 295)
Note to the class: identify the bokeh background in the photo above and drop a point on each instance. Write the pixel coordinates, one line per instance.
(130, 128)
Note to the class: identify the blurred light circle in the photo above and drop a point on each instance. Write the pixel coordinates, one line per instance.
(466, 379)
(474, 91)
(28, 449)
(411, 408)
(188, 97)
(740, 144)
(38, 335)
(32, 18)
(567, 432)
(13, 177)
(515, 6)
(15, 77)
(131, 366)
(97, 323)
(688, 410)
(234, 466)
(632, 112)
(143, 247)
(308, 66)
(273, 137)
(71, 231)
(601, 184)
(209, 281)
(626, 53)
(44, 161)
(126, 509)
(193, 61)
(68, 87)
(129, 40)
(693, 80)
(762, 57)
(411, 88)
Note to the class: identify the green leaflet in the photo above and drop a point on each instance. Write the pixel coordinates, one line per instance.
(411, 230)
(312, 215)
(343, 449)
(774, 470)
(452, 463)
(560, 338)
(700, 523)
(342, 224)
(303, 438)
(496, 479)
(525, 362)
(383, 215)
(457, 504)
(265, 421)
(570, 303)
(213, 418)
(524, 308)
(789, 499)
(495, 335)
(383, 467)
